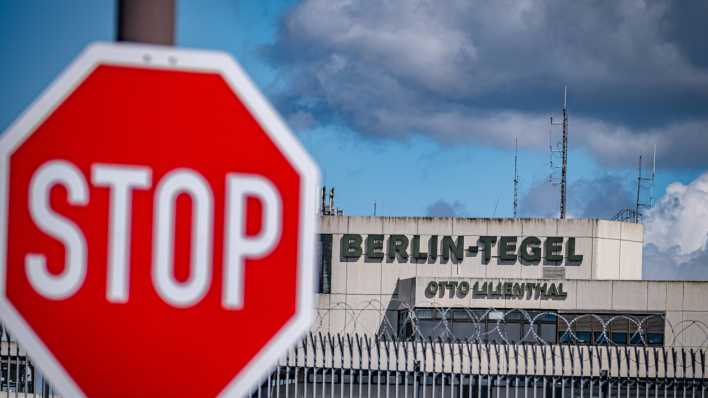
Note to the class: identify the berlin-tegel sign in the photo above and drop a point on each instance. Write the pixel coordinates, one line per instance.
(147, 197)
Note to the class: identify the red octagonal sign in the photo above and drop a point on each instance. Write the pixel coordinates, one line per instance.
(158, 225)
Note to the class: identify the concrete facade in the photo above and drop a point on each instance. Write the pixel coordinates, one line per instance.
(366, 294)
(611, 250)
(684, 303)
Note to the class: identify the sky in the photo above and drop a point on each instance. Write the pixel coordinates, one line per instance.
(416, 106)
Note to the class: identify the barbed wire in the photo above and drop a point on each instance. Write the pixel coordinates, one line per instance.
(484, 328)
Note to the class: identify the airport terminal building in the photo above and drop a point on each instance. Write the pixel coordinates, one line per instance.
(480, 308)
(500, 281)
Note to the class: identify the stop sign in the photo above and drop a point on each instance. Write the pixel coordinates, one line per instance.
(157, 227)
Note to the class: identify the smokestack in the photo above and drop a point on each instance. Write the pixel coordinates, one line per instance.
(331, 201)
(323, 196)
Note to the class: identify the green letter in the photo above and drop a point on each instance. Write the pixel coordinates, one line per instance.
(350, 246)
(543, 290)
(573, 258)
(486, 243)
(374, 247)
(507, 248)
(553, 248)
(433, 247)
(415, 249)
(552, 292)
(463, 289)
(534, 244)
(431, 290)
(449, 245)
(507, 289)
(477, 292)
(397, 244)
(561, 293)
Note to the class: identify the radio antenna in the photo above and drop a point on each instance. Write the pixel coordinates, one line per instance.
(516, 177)
(652, 198)
(644, 183)
(564, 153)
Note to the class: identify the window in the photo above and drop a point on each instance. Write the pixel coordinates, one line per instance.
(492, 326)
(528, 326)
(583, 337)
(324, 284)
(620, 329)
(655, 339)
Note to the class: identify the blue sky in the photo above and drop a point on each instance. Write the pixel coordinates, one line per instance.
(408, 162)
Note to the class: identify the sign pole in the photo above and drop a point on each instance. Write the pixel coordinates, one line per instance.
(151, 22)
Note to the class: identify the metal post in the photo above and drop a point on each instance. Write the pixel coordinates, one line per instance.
(516, 178)
(639, 188)
(564, 170)
(150, 22)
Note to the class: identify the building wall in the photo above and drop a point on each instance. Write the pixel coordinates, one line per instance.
(610, 250)
(365, 294)
(684, 303)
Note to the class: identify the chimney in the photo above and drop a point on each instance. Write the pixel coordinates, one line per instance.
(323, 196)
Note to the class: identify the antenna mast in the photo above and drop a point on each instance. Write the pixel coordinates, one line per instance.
(634, 214)
(564, 171)
(328, 209)
(645, 183)
(639, 190)
(564, 153)
(652, 197)
(516, 177)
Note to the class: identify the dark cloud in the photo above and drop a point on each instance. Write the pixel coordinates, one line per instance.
(483, 72)
(601, 197)
(443, 208)
(541, 200)
(685, 24)
(670, 264)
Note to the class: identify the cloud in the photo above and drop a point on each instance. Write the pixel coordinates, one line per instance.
(483, 72)
(670, 264)
(600, 197)
(541, 200)
(676, 233)
(301, 120)
(680, 217)
(443, 208)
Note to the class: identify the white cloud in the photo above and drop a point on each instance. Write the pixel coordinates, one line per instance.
(676, 232)
(680, 217)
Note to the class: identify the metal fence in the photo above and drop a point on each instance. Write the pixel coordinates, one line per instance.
(484, 325)
(326, 365)
(18, 376)
(353, 365)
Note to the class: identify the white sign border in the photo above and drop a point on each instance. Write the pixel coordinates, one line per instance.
(174, 59)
